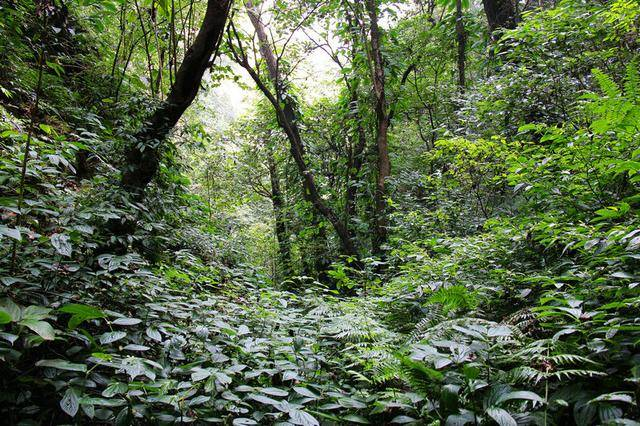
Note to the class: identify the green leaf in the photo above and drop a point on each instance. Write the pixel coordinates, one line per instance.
(70, 403)
(61, 364)
(111, 336)
(154, 334)
(35, 312)
(81, 313)
(10, 232)
(115, 389)
(9, 306)
(274, 391)
(449, 399)
(45, 127)
(354, 418)
(401, 420)
(42, 328)
(79, 309)
(5, 317)
(305, 392)
(614, 397)
(243, 421)
(501, 416)
(127, 321)
(263, 399)
(62, 244)
(520, 395)
(299, 417)
(136, 348)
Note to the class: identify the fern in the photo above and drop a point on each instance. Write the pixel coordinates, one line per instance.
(606, 83)
(386, 371)
(632, 82)
(433, 317)
(454, 298)
(420, 377)
(524, 320)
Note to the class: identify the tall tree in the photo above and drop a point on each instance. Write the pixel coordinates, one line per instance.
(278, 202)
(143, 155)
(383, 120)
(287, 118)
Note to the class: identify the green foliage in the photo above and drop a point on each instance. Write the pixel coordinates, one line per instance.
(508, 291)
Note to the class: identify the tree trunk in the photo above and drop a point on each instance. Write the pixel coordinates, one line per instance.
(358, 139)
(461, 38)
(277, 199)
(501, 14)
(382, 138)
(287, 119)
(143, 157)
(354, 165)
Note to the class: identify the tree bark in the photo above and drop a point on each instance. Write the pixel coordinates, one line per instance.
(358, 138)
(383, 119)
(142, 157)
(277, 199)
(501, 14)
(287, 119)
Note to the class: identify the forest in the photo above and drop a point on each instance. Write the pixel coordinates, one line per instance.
(320, 212)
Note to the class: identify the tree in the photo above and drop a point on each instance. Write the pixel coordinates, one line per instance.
(461, 39)
(287, 117)
(143, 155)
(383, 119)
(278, 202)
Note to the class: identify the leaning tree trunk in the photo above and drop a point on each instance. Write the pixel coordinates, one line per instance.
(501, 14)
(287, 119)
(143, 156)
(383, 119)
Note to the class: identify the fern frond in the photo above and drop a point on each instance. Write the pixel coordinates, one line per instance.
(418, 376)
(524, 375)
(386, 371)
(524, 320)
(632, 82)
(606, 83)
(453, 298)
(434, 317)
(570, 374)
(569, 359)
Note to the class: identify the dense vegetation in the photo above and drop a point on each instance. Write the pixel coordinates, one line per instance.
(320, 212)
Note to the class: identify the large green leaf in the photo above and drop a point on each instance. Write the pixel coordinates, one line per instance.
(501, 416)
(5, 317)
(62, 244)
(70, 403)
(299, 417)
(11, 308)
(62, 364)
(81, 313)
(42, 328)
(527, 395)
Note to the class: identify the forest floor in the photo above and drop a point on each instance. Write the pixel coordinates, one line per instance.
(283, 340)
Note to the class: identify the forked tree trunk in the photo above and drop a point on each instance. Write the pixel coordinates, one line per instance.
(287, 119)
(143, 156)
